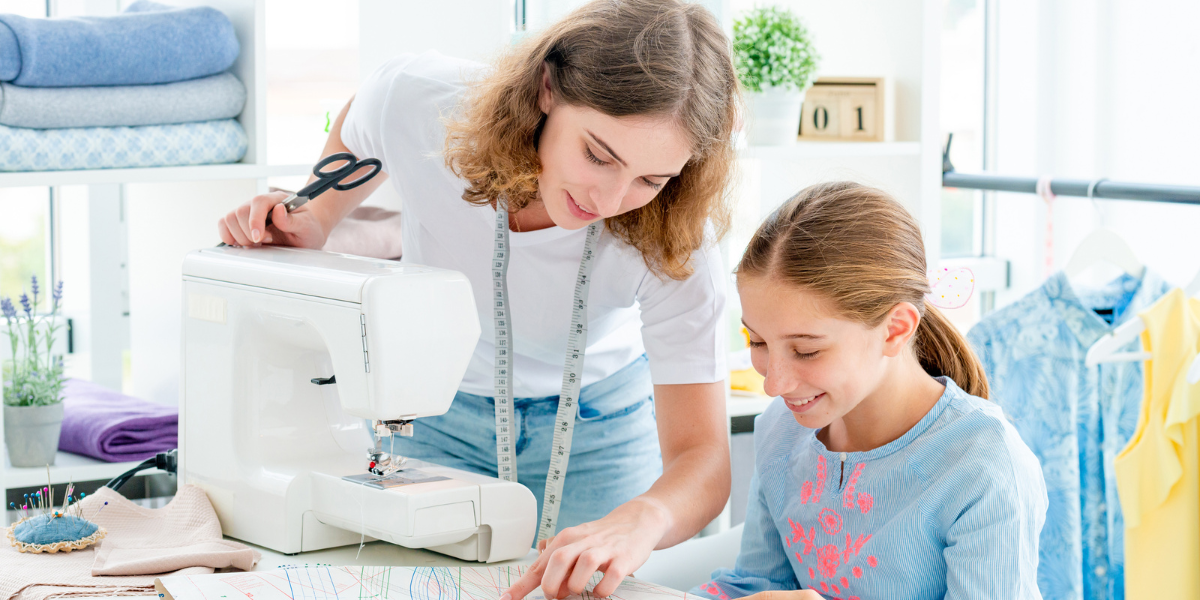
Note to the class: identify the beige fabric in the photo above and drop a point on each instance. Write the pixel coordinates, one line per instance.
(367, 231)
(122, 559)
(149, 541)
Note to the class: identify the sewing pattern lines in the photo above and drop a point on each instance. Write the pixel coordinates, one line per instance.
(326, 582)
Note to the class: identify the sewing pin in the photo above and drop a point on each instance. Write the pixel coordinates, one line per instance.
(100, 509)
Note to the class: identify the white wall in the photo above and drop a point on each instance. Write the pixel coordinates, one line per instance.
(165, 222)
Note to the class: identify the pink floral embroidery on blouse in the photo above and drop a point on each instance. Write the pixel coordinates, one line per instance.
(798, 536)
(865, 502)
(830, 520)
(828, 560)
(848, 493)
(829, 557)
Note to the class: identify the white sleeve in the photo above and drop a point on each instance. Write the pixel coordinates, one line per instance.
(363, 127)
(683, 323)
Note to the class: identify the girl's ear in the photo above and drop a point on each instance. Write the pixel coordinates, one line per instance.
(545, 94)
(901, 325)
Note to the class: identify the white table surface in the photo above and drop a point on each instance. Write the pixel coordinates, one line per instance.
(373, 554)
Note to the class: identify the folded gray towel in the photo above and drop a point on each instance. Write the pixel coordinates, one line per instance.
(206, 99)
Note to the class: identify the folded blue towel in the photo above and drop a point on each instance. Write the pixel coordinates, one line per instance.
(207, 142)
(205, 99)
(148, 43)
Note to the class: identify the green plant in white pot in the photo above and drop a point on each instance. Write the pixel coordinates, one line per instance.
(33, 381)
(775, 61)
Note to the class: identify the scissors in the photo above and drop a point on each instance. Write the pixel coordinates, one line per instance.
(333, 178)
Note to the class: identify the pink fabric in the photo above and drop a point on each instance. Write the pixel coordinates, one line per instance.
(367, 231)
(114, 558)
(181, 538)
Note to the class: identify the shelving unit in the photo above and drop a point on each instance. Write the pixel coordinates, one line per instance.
(826, 150)
(103, 325)
(67, 467)
(151, 175)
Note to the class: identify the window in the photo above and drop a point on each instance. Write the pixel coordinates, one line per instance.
(312, 72)
(24, 212)
(962, 114)
(24, 238)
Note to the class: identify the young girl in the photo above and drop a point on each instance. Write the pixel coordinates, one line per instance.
(619, 118)
(881, 471)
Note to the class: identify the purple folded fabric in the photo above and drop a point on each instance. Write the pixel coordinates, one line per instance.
(108, 425)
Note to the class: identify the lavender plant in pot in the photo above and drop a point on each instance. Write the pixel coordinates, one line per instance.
(776, 62)
(33, 381)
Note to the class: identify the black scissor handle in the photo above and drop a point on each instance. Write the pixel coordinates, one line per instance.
(339, 172)
(375, 165)
(331, 178)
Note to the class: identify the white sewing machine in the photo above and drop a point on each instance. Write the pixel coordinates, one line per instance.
(287, 354)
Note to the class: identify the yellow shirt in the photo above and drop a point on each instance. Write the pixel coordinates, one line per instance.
(1158, 473)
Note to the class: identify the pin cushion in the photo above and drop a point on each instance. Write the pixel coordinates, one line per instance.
(54, 532)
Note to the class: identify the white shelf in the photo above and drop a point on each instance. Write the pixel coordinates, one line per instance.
(67, 467)
(810, 150)
(151, 174)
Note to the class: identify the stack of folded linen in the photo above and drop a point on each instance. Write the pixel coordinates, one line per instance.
(146, 88)
(108, 425)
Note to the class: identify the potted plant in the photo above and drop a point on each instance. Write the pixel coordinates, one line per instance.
(775, 62)
(33, 381)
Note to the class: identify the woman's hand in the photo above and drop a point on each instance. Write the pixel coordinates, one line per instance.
(616, 544)
(782, 595)
(245, 225)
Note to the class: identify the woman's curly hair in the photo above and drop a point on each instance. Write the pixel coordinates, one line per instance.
(622, 58)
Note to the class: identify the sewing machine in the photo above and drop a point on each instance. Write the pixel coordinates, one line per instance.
(298, 365)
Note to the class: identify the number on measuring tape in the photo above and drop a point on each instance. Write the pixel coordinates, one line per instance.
(568, 398)
(506, 461)
(576, 345)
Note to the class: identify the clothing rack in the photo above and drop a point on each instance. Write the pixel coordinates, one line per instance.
(1095, 188)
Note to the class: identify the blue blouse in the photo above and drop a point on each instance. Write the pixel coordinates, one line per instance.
(951, 509)
(1075, 418)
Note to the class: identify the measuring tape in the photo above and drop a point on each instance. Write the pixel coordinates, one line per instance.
(568, 400)
(506, 455)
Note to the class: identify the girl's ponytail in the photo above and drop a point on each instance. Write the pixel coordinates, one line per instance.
(942, 350)
(860, 248)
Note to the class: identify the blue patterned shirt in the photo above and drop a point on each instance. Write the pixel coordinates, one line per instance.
(1074, 418)
(951, 509)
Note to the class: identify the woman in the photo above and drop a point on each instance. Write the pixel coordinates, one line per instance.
(621, 114)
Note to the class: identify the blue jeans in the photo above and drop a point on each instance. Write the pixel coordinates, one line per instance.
(614, 450)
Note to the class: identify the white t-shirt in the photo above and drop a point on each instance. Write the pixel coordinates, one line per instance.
(396, 116)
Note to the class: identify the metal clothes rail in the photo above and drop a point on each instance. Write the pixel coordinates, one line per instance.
(1097, 188)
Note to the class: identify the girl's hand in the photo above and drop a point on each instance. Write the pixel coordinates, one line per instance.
(783, 595)
(616, 544)
(244, 226)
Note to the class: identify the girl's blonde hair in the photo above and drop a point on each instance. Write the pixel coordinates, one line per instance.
(858, 247)
(622, 58)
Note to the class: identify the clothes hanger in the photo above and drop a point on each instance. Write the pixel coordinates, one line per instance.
(1105, 350)
(1103, 245)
